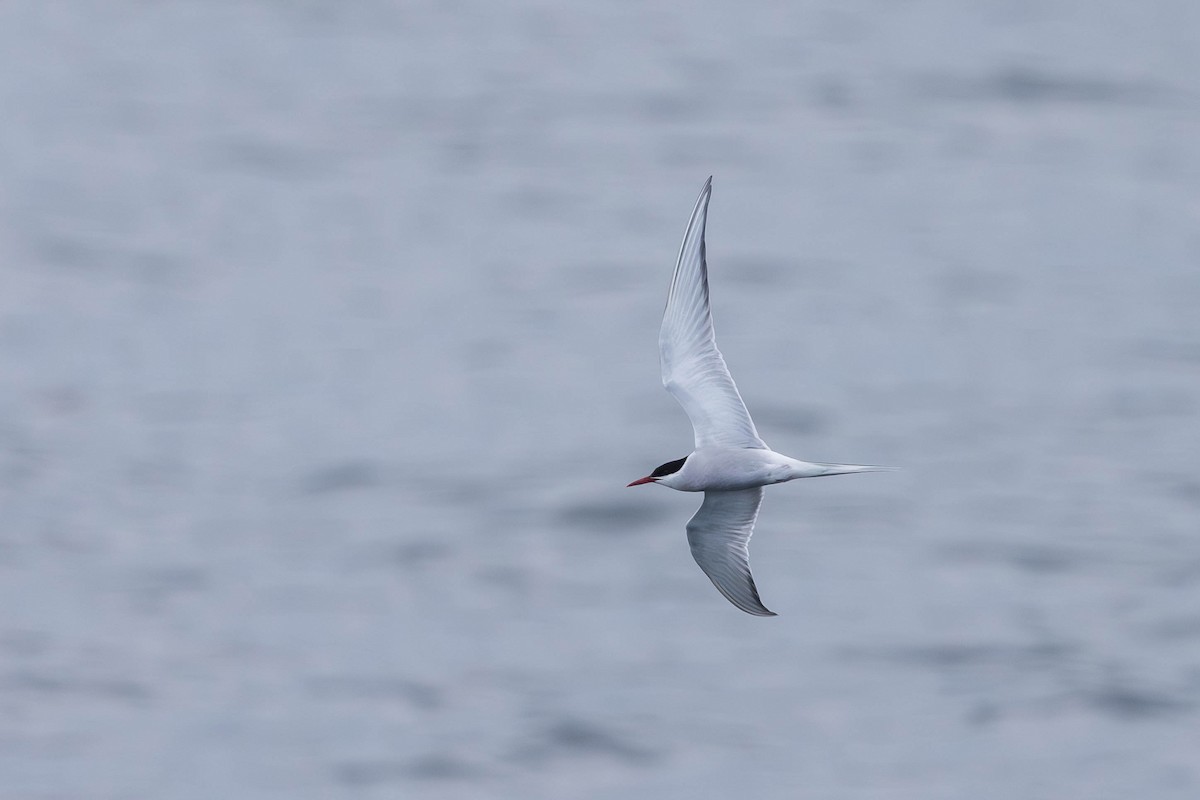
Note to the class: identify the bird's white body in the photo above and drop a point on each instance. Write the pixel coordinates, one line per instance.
(725, 469)
(731, 463)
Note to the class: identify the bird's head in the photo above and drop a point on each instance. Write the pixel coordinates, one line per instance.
(660, 472)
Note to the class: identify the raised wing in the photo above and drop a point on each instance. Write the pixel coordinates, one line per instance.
(692, 367)
(719, 535)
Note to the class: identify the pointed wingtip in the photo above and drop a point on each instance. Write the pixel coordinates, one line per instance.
(702, 203)
(752, 605)
(759, 611)
(762, 611)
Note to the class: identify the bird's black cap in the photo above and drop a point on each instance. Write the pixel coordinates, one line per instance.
(668, 468)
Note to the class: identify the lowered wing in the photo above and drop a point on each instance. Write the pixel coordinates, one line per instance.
(719, 535)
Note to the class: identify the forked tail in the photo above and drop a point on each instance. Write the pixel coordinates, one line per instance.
(846, 469)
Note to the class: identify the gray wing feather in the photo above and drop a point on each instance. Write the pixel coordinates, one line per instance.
(719, 535)
(693, 370)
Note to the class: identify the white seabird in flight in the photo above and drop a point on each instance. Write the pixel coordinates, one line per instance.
(731, 463)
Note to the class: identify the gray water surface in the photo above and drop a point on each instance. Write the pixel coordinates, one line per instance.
(327, 347)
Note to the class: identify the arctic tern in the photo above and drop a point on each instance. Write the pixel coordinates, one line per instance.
(730, 463)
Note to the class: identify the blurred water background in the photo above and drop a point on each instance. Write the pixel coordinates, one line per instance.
(328, 345)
